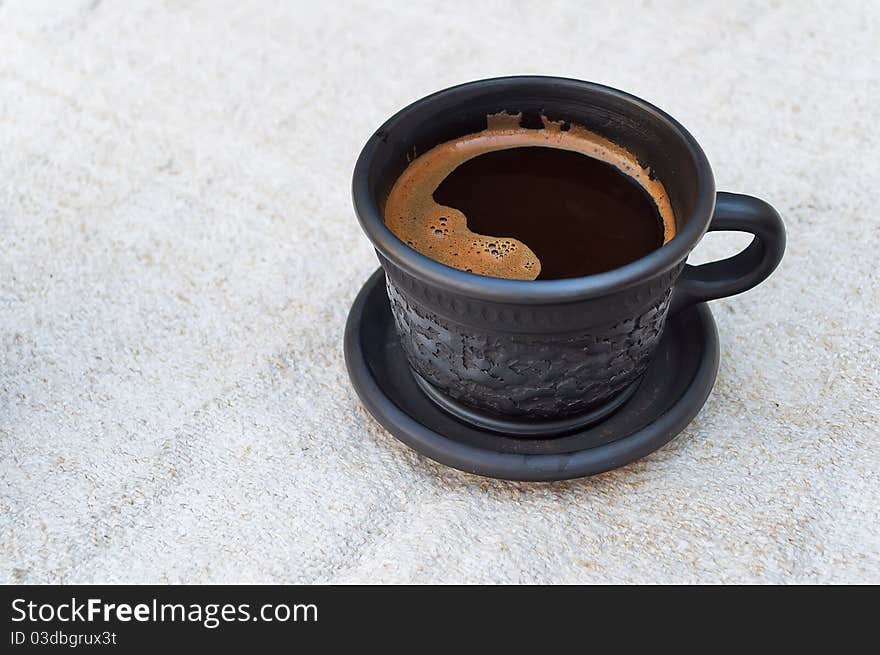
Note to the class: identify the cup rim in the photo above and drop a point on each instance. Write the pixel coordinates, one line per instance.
(533, 291)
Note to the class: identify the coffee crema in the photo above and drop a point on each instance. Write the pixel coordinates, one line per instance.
(577, 186)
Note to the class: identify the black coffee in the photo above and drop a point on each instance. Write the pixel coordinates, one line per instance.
(578, 214)
(524, 204)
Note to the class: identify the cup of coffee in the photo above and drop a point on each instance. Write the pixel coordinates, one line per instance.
(534, 233)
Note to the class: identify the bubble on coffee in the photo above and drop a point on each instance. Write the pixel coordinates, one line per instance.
(442, 233)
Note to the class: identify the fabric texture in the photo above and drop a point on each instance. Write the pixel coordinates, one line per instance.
(179, 254)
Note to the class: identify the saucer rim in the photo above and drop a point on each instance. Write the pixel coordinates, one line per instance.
(539, 467)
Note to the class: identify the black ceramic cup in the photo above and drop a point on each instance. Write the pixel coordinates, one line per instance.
(546, 357)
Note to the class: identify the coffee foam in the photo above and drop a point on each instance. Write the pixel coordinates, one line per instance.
(442, 233)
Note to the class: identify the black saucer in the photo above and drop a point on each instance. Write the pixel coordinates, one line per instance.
(672, 392)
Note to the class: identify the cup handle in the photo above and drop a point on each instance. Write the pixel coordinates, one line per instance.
(727, 277)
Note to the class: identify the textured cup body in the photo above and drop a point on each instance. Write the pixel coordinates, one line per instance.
(536, 361)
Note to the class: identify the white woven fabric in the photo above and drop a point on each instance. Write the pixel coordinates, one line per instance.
(179, 254)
